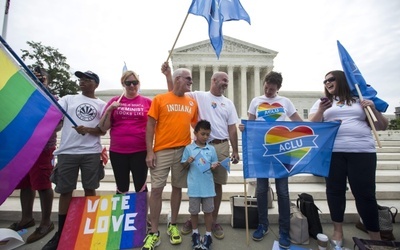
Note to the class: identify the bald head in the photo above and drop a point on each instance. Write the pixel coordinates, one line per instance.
(219, 83)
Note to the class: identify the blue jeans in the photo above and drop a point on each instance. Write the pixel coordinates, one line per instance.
(282, 190)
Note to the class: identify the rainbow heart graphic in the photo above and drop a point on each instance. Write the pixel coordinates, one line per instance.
(287, 146)
(270, 112)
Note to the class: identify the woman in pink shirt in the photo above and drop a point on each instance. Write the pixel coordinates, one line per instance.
(126, 117)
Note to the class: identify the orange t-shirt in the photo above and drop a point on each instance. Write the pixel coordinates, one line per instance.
(174, 116)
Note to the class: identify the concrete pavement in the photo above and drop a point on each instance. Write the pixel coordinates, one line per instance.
(234, 238)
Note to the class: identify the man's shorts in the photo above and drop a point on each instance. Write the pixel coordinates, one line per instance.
(65, 174)
(220, 173)
(207, 204)
(38, 178)
(166, 160)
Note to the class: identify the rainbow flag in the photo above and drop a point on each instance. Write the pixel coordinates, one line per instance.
(282, 149)
(27, 120)
(105, 222)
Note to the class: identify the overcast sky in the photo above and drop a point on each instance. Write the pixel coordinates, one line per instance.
(100, 35)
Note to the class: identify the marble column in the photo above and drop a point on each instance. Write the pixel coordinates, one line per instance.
(202, 80)
(243, 91)
(231, 85)
(257, 85)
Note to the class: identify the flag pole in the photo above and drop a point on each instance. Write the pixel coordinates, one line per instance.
(5, 20)
(179, 33)
(370, 120)
(38, 83)
(246, 211)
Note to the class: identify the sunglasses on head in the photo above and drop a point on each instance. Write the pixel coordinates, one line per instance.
(129, 83)
(330, 79)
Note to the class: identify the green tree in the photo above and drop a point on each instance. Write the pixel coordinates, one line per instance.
(55, 64)
(394, 124)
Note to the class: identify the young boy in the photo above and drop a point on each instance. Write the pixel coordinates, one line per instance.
(200, 158)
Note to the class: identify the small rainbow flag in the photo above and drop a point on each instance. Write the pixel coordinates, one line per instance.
(105, 222)
(27, 121)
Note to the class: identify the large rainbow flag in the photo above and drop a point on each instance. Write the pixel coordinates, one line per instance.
(282, 148)
(105, 222)
(27, 120)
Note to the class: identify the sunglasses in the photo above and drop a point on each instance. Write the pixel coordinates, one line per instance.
(330, 79)
(129, 83)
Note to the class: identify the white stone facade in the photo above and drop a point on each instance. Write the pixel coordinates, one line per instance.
(245, 63)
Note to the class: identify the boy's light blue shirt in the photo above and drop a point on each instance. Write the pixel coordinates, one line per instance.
(200, 184)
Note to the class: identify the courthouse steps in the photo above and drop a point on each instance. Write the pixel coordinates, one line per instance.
(387, 188)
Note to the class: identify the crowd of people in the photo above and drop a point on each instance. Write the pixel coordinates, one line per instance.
(155, 136)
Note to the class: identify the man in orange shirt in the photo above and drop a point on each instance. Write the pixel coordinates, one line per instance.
(170, 117)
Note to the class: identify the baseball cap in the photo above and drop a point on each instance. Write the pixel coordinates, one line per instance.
(89, 74)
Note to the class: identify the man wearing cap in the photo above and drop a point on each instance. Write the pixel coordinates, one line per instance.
(80, 147)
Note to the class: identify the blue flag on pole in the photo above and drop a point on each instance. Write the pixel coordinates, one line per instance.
(354, 76)
(283, 149)
(216, 12)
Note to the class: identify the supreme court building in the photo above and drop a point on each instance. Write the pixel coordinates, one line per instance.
(246, 65)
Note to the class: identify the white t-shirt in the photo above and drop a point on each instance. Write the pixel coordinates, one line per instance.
(218, 110)
(354, 134)
(84, 111)
(271, 109)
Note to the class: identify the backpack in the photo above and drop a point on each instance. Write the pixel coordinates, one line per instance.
(307, 207)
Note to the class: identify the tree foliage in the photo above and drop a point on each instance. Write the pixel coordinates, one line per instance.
(394, 124)
(55, 64)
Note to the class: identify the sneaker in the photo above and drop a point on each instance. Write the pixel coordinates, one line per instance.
(174, 236)
(284, 240)
(151, 241)
(196, 243)
(261, 231)
(187, 227)
(217, 231)
(207, 240)
(53, 243)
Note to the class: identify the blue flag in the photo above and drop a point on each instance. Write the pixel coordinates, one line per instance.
(283, 149)
(353, 76)
(124, 69)
(216, 12)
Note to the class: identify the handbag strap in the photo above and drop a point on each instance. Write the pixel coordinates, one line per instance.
(393, 213)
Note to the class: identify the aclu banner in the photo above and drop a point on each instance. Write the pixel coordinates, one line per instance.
(105, 222)
(281, 149)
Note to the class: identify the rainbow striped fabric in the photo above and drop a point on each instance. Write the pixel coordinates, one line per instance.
(27, 120)
(105, 222)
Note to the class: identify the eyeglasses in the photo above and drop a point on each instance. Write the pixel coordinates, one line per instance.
(330, 79)
(85, 80)
(187, 78)
(129, 83)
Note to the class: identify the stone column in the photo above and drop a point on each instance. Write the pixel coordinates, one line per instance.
(243, 91)
(257, 86)
(231, 85)
(215, 69)
(202, 78)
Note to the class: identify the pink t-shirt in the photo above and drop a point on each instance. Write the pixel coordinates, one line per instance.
(128, 124)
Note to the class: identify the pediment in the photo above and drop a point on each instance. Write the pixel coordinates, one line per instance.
(231, 46)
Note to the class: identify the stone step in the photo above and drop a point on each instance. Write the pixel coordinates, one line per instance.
(11, 209)
(381, 164)
(236, 176)
(384, 191)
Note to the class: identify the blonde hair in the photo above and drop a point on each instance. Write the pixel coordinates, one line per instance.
(127, 74)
